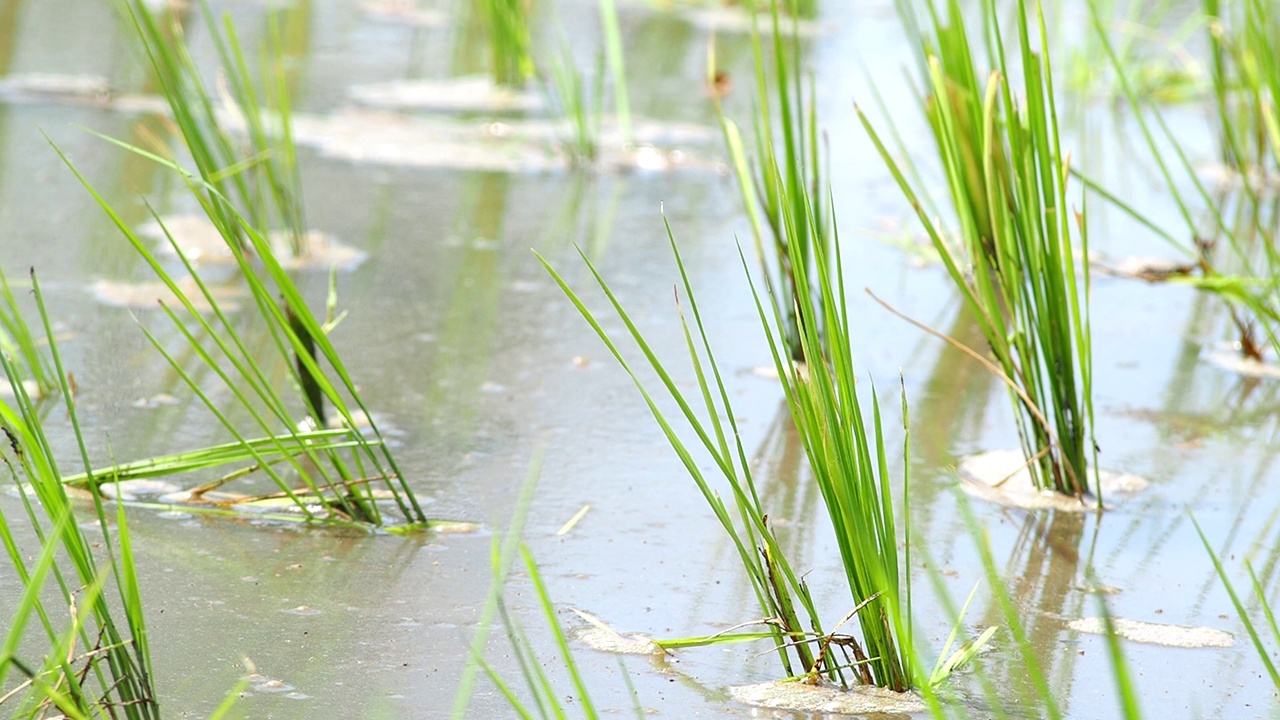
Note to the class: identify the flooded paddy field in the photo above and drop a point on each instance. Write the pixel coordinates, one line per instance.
(472, 361)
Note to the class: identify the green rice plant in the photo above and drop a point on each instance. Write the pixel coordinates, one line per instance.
(507, 23)
(789, 615)
(582, 107)
(846, 453)
(806, 9)
(1244, 42)
(789, 141)
(1260, 596)
(1015, 262)
(339, 486)
(546, 701)
(1150, 44)
(336, 479)
(579, 105)
(241, 142)
(20, 344)
(1236, 254)
(613, 53)
(98, 664)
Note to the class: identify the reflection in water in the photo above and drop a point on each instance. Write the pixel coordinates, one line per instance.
(789, 494)
(1042, 571)
(9, 12)
(466, 341)
(587, 216)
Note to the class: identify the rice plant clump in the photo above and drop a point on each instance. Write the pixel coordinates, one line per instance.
(847, 455)
(1014, 263)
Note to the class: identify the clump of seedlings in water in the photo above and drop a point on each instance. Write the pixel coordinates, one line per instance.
(328, 474)
(1019, 236)
(100, 664)
(507, 24)
(582, 107)
(1232, 234)
(846, 452)
(788, 140)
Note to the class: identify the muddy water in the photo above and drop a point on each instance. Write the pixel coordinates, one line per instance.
(474, 360)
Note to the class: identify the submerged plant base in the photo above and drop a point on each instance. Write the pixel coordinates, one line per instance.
(1157, 633)
(1001, 476)
(803, 697)
(1230, 359)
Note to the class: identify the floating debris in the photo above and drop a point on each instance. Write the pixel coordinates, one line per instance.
(1157, 633)
(477, 93)
(30, 387)
(1230, 359)
(1001, 476)
(737, 19)
(1152, 270)
(132, 489)
(389, 138)
(45, 87)
(155, 401)
(803, 697)
(770, 372)
(200, 242)
(604, 638)
(404, 11)
(147, 295)
(302, 610)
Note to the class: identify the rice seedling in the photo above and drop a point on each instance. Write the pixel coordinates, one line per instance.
(546, 701)
(98, 664)
(507, 24)
(1151, 42)
(1244, 42)
(806, 9)
(795, 129)
(613, 53)
(1015, 262)
(846, 454)
(241, 141)
(582, 107)
(1259, 595)
(789, 615)
(1236, 258)
(335, 471)
(579, 105)
(19, 343)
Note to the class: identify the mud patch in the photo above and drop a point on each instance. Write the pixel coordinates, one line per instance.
(389, 138)
(1157, 633)
(404, 12)
(599, 636)
(802, 697)
(477, 94)
(733, 19)
(200, 242)
(148, 295)
(1231, 360)
(1001, 476)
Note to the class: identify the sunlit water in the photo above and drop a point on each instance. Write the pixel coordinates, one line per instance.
(474, 361)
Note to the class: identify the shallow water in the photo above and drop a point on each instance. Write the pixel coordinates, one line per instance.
(474, 360)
